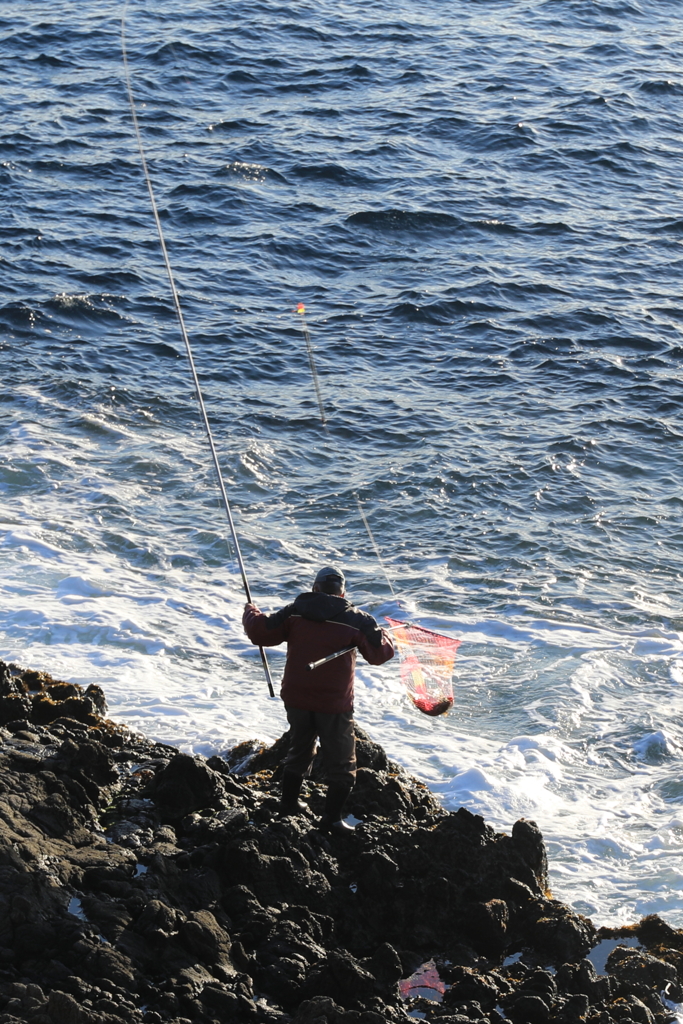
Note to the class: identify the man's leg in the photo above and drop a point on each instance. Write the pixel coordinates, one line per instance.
(338, 748)
(297, 763)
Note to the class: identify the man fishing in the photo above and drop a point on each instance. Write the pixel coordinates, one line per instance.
(319, 704)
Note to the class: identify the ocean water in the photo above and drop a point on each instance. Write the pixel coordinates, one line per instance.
(480, 205)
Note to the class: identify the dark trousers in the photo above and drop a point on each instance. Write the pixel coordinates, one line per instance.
(337, 744)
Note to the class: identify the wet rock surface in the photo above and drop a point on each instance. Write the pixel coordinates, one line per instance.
(138, 883)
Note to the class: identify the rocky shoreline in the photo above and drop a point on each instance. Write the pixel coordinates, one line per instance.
(139, 884)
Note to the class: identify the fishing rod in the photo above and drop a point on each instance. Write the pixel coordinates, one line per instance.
(186, 339)
(301, 310)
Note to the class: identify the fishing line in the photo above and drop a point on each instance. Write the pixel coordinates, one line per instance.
(426, 657)
(183, 331)
(301, 310)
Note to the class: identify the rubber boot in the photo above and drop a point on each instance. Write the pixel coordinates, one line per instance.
(289, 801)
(336, 797)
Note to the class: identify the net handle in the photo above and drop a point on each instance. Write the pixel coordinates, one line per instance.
(345, 650)
(423, 629)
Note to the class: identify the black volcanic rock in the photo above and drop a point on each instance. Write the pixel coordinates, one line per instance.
(185, 785)
(140, 884)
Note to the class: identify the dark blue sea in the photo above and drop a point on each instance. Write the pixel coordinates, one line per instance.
(479, 203)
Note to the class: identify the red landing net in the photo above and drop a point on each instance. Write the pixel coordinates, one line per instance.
(427, 661)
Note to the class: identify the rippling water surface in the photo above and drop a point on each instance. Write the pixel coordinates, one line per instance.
(480, 205)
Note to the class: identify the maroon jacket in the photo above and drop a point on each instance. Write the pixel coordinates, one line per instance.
(316, 625)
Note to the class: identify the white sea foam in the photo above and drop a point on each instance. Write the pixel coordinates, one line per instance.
(175, 665)
(654, 744)
(25, 543)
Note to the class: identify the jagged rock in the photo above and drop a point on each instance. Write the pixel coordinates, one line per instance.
(96, 695)
(8, 684)
(221, 1000)
(651, 931)
(201, 902)
(527, 837)
(378, 794)
(204, 936)
(573, 1009)
(528, 1009)
(321, 1010)
(489, 922)
(542, 983)
(14, 707)
(386, 968)
(377, 872)
(631, 1008)
(563, 934)
(344, 979)
(582, 977)
(468, 985)
(63, 1009)
(185, 785)
(640, 974)
(368, 753)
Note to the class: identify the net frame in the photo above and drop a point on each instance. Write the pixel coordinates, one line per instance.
(427, 659)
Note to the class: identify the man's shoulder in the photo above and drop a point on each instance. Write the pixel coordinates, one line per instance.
(359, 619)
(320, 607)
(277, 618)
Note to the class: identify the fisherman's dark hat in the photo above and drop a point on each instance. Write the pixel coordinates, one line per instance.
(329, 572)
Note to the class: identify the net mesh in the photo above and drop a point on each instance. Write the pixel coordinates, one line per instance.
(427, 661)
